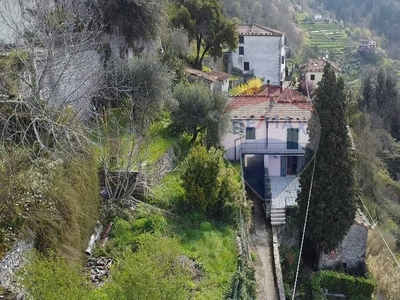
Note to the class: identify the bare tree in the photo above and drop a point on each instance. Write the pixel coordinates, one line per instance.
(55, 46)
(68, 95)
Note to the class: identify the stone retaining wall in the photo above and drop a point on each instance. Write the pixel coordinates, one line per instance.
(277, 262)
(11, 262)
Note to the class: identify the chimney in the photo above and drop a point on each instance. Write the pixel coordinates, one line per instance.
(268, 83)
(271, 101)
(281, 85)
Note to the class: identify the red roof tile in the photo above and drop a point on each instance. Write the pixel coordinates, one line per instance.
(254, 29)
(272, 104)
(318, 65)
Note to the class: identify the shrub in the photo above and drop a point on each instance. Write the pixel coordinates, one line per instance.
(206, 226)
(352, 287)
(49, 278)
(211, 187)
(249, 88)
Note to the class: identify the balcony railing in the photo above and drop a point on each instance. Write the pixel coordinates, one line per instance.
(272, 148)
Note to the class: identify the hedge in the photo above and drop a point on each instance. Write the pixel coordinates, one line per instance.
(337, 282)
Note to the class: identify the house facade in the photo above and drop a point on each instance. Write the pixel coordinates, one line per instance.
(261, 52)
(366, 45)
(313, 70)
(273, 124)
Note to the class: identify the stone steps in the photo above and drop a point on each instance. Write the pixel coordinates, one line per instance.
(278, 216)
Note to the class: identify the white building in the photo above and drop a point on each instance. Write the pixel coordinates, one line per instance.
(366, 45)
(261, 51)
(272, 124)
(318, 17)
(313, 70)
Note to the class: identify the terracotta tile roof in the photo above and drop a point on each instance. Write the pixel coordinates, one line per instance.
(213, 76)
(366, 40)
(318, 65)
(254, 29)
(219, 75)
(270, 104)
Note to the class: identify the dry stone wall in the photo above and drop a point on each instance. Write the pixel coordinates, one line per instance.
(12, 262)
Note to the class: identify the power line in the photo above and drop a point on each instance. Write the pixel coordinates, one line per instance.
(380, 233)
(304, 227)
(308, 206)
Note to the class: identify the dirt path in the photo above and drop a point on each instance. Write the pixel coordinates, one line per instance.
(261, 245)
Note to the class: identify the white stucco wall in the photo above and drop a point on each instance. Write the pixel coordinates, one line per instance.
(225, 85)
(274, 165)
(228, 139)
(277, 131)
(318, 77)
(277, 137)
(264, 55)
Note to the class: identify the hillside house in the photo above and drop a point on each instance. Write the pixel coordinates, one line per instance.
(273, 124)
(350, 254)
(366, 45)
(261, 52)
(215, 80)
(313, 70)
(318, 17)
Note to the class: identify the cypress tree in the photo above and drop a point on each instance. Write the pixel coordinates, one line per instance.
(332, 203)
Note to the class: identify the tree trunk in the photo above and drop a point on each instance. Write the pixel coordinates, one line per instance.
(197, 63)
(202, 56)
(195, 134)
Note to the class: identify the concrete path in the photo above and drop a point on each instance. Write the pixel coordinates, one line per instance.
(261, 246)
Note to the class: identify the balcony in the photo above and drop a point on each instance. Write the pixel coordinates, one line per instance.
(272, 148)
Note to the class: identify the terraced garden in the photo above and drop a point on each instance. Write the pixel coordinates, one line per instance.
(323, 35)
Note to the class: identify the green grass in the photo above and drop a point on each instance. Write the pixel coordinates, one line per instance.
(212, 246)
(153, 146)
(169, 193)
(326, 36)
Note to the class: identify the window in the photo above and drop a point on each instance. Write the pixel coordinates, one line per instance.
(241, 39)
(312, 77)
(241, 50)
(293, 138)
(283, 59)
(247, 66)
(250, 133)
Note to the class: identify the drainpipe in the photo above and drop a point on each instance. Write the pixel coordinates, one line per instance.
(236, 141)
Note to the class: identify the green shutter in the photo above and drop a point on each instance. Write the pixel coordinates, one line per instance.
(293, 138)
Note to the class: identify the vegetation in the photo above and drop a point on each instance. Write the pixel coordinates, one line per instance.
(198, 110)
(57, 200)
(251, 87)
(377, 153)
(211, 187)
(332, 202)
(206, 25)
(379, 16)
(335, 282)
(274, 14)
(135, 18)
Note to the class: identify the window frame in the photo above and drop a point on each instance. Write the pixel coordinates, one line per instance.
(248, 66)
(312, 77)
(252, 131)
(292, 143)
(241, 39)
(241, 50)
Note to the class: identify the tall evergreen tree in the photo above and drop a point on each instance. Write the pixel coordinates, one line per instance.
(332, 203)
